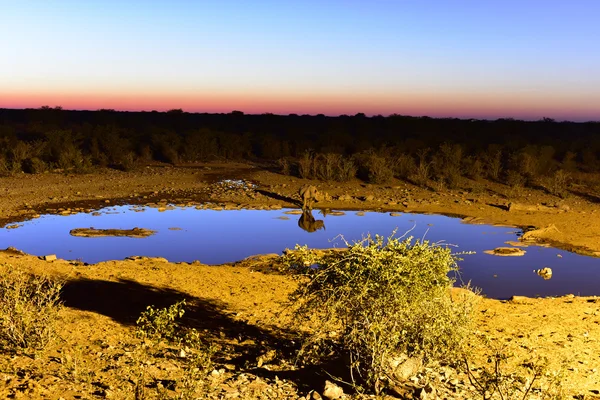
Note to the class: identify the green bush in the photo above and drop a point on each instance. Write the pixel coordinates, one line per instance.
(159, 324)
(378, 301)
(29, 307)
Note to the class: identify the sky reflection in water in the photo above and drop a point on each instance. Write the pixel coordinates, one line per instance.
(215, 237)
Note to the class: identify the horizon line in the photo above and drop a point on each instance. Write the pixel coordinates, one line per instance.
(365, 115)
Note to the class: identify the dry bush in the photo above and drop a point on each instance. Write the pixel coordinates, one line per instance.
(129, 161)
(569, 162)
(405, 166)
(493, 163)
(284, 165)
(515, 180)
(29, 308)
(473, 168)
(306, 166)
(378, 168)
(377, 301)
(35, 165)
(5, 169)
(558, 183)
(347, 169)
(327, 166)
(505, 377)
(423, 171)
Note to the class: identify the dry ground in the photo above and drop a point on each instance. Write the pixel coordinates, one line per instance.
(242, 307)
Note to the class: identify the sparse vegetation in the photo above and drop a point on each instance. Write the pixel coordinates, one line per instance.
(505, 378)
(29, 309)
(162, 326)
(557, 184)
(378, 300)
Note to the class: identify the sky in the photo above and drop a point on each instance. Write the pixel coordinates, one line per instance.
(463, 58)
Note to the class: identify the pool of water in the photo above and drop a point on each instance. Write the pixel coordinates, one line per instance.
(215, 237)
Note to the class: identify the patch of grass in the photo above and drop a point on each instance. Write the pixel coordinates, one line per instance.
(29, 308)
(378, 301)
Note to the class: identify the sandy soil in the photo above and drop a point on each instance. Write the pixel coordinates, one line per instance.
(242, 307)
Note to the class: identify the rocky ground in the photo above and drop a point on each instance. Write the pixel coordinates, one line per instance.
(241, 308)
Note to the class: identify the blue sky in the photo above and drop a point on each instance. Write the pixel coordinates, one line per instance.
(524, 59)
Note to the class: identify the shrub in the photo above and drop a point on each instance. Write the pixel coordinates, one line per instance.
(306, 166)
(29, 307)
(34, 166)
(128, 162)
(569, 162)
(493, 164)
(5, 169)
(379, 169)
(422, 173)
(405, 166)
(69, 157)
(377, 301)
(327, 165)
(515, 180)
(284, 166)
(474, 168)
(557, 184)
(159, 324)
(347, 169)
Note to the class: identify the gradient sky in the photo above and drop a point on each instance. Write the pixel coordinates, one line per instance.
(466, 58)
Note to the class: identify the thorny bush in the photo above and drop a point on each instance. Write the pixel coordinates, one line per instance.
(378, 300)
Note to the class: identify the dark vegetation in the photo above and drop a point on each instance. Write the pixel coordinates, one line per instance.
(426, 151)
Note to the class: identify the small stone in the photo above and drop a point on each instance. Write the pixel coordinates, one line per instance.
(332, 391)
(314, 395)
(50, 257)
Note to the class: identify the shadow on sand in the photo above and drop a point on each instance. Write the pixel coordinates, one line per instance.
(241, 343)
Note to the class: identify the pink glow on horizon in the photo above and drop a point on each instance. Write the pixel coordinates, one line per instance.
(468, 105)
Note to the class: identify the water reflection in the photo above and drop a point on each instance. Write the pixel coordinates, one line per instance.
(215, 237)
(308, 222)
